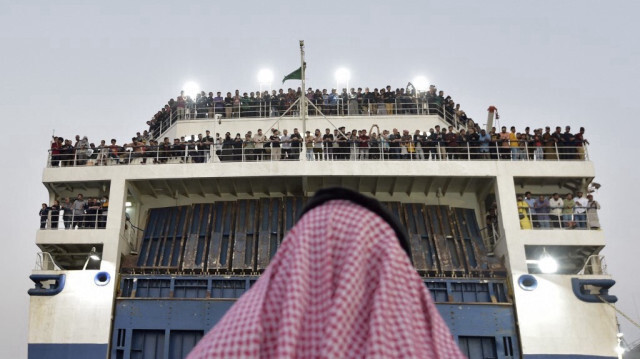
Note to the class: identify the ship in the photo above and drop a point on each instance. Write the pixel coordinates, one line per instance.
(189, 229)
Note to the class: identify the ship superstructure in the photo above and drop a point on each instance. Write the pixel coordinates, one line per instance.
(183, 240)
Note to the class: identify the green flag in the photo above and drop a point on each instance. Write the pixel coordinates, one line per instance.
(296, 75)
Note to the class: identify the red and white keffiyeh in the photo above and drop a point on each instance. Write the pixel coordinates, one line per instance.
(340, 286)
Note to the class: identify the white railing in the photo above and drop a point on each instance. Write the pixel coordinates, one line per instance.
(257, 108)
(551, 220)
(247, 151)
(91, 218)
(595, 264)
(44, 261)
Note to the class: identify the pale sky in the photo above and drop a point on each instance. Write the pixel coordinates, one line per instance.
(102, 69)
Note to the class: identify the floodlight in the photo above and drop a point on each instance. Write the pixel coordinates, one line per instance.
(191, 89)
(265, 76)
(343, 75)
(546, 263)
(93, 254)
(421, 83)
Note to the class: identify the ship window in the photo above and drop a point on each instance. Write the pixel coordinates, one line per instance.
(478, 347)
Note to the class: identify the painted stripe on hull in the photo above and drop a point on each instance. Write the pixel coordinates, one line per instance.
(67, 351)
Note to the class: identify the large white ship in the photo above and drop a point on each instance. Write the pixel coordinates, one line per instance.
(189, 227)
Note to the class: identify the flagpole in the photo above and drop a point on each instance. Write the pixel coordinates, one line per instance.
(303, 103)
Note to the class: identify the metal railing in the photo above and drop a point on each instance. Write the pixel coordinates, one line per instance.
(257, 108)
(91, 218)
(353, 150)
(44, 261)
(595, 265)
(555, 218)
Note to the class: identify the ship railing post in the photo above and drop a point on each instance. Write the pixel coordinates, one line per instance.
(555, 144)
(468, 152)
(444, 112)
(395, 108)
(498, 152)
(526, 151)
(585, 154)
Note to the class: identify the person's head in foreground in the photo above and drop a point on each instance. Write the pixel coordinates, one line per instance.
(340, 286)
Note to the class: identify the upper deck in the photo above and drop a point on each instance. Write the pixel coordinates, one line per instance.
(408, 157)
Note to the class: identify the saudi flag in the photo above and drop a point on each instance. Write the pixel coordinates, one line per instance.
(296, 75)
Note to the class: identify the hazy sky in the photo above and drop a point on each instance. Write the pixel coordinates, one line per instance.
(102, 69)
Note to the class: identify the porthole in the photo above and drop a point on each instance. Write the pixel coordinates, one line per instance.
(102, 278)
(527, 282)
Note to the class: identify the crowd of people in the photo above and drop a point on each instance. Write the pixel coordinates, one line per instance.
(566, 212)
(77, 213)
(337, 144)
(353, 102)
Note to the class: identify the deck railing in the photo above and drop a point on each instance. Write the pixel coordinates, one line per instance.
(92, 218)
(249, 151)
(265, 109)
(586, 219)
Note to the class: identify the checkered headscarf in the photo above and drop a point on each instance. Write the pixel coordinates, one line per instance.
(340, 286)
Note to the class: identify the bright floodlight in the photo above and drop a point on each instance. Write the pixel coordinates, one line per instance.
(421, 83)
(93, 254)
(265, 76)
(343, 75)
(547, 264)
(191, 89)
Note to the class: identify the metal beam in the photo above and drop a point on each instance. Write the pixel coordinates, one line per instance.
(216, 187)
(447, 182)
(412, 181)
(465, 186)
(184, 188)
(201, 188)
(428, 184)
(151, 190)
(134, 192)
(392, 189)
(250, 185)
(171, 193)
(234, 188)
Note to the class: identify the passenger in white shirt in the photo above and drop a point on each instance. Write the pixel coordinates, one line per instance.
(580, 210)
(285, 140)
(556, 204)
(259, 139)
